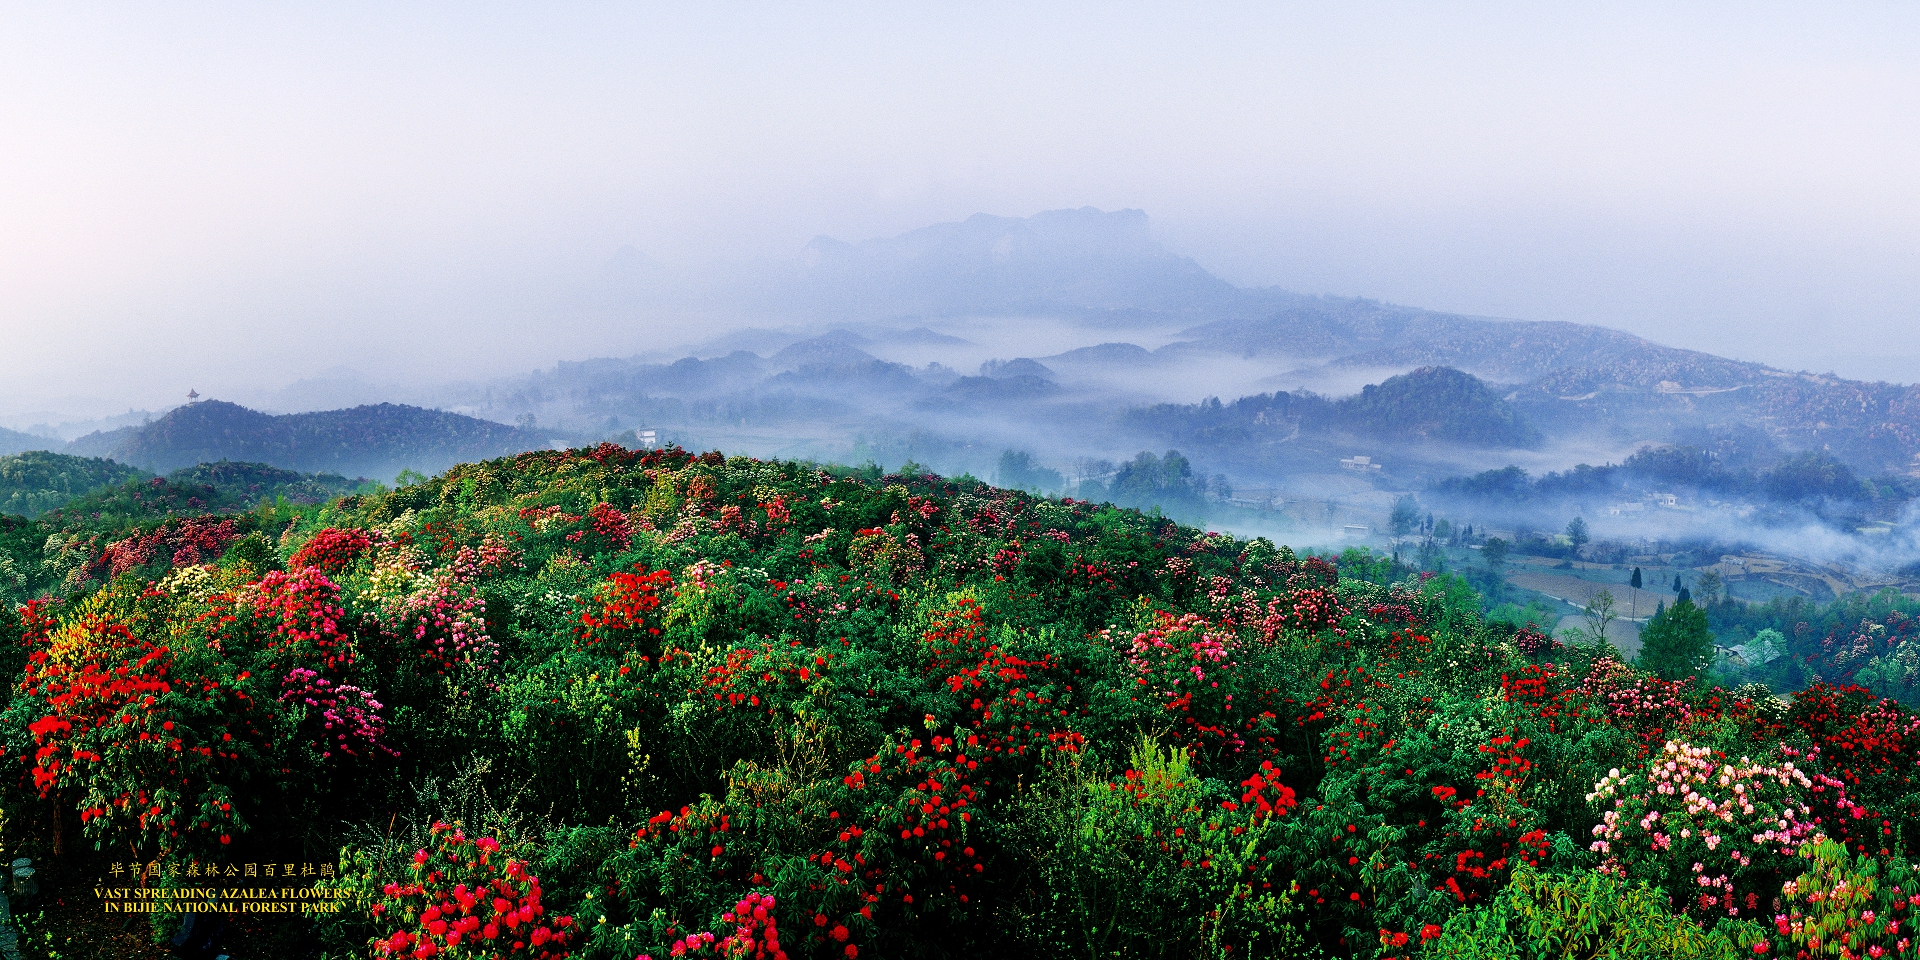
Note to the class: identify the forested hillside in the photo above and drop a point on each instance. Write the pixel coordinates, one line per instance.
(1432, 408)
(37, 481)
(607, 704)
(376, 441)
(13, 441)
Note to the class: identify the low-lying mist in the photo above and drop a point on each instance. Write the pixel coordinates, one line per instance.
(1074, 344)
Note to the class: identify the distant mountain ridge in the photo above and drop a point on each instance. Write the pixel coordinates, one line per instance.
(1563, 377)
(37, 482)
(1084, 260)
(1429, 407)
(13, 441)
(873, 337)
(377, 441)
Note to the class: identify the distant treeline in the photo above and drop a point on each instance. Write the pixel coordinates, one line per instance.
(1146, 482)
(94, 491)
(1432, 403)
(378, 440)
(1811, 476)
(36, 481)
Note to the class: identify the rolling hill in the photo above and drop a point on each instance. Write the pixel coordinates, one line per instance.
(222, 487)
(36, 481)
(13, 441)
(376, 441)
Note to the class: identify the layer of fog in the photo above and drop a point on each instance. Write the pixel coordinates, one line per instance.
(234, 199)
(1888, 555)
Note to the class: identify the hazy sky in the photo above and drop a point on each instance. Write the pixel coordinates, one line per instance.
(224, 195)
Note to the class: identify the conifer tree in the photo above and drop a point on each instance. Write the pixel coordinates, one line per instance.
(1676, 643)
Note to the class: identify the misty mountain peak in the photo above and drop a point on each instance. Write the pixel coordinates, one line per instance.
(1018, 367)
(1053, 261)
(827, 351)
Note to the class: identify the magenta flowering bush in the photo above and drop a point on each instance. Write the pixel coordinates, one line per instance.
(1721, 837)
(332, 550)
(441, 620)
(493, 557)
(302, 612)
(1641, 704)
(349, 717)
(755, 935)
(1533, 642)
(1307, 611)
(176, 542)
(1180, 664)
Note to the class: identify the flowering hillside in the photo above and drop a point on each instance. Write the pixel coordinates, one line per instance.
(608, 704)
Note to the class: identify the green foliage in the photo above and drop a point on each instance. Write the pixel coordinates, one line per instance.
(1585, 916)
(1428, 404)
(1360, 563)
(364, 441)
(1514, 616)
(1676, 644)
(210, 488)
(34, 482)
(1437, 403)
(255, 551)
(1812, 475)
(907, 715)
(1577, 532)
(1862, 904)
(1168, 483)
(1019, 471)
(1405, 516)
(1118, 854)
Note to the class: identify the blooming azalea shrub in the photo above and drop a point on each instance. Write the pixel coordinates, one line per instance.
(1480, 839)
(1847, 905)
(754, 934)
(1180, 664)
(431, 617)
(465, 897)
(1641, 704)
(718, 604)
(607, 527)
(303, 619)
(1158, 861)
(625, 613)
(348, 717)
(897, 560)
(148, 741)
(1873, 746)
(332, 550)
(881, 851)
(1721, 836)
(1532, 642)
(1307, 611)
(174, 543)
